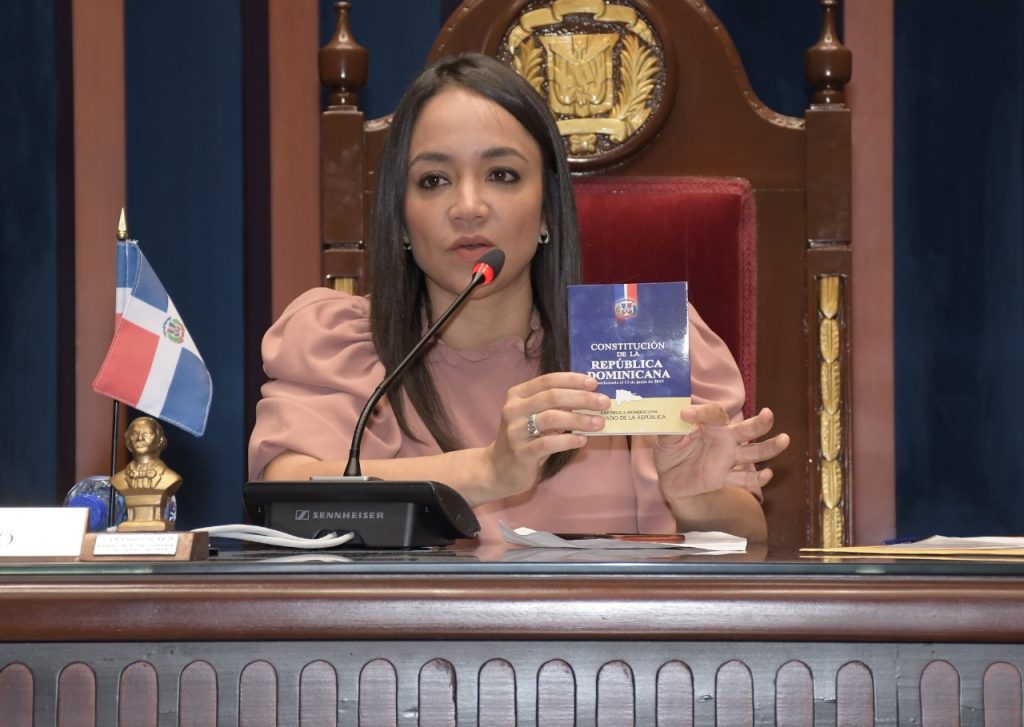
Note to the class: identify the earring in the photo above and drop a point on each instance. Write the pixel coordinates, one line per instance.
(543, 238)
(406, 245)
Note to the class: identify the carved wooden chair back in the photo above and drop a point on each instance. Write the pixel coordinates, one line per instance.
(682, 172)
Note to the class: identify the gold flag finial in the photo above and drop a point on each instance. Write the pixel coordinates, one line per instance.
(122, 227)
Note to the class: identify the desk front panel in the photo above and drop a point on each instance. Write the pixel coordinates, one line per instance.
(362, 646)
(506, 683)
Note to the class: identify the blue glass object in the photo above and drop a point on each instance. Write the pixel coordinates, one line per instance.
(93, 493)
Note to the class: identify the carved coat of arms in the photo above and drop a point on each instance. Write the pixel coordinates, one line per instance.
(598, 63)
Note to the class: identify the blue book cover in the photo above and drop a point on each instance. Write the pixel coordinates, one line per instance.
(634, 338)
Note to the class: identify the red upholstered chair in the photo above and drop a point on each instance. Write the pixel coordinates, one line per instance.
(681, 173)
(698, 229)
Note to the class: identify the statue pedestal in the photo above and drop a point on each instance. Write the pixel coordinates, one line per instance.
(145, 510)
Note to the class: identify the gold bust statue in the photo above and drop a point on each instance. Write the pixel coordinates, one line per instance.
(146, 483)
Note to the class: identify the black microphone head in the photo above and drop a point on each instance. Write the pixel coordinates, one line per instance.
(490, 264)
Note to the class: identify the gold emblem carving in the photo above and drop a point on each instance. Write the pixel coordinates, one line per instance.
(581, 73)
(830, 414)
(598, 64)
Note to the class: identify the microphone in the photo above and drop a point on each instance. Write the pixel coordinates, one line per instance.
(485, 270)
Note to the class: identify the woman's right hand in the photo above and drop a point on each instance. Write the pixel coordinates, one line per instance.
(538, 420)
(509, 465)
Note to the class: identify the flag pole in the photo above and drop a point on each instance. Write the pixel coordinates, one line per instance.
(111, 499)
(122, 235)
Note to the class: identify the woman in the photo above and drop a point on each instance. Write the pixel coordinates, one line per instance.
(474, 160)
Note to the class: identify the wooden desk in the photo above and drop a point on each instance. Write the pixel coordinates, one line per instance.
(436, 638)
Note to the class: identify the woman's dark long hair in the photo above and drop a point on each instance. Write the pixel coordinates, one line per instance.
(397, 317)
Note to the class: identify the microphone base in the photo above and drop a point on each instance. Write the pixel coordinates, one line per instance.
(383, 514)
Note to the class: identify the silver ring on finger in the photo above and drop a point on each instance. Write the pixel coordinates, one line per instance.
(531, 426)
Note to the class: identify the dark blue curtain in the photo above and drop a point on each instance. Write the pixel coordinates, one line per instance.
(183, 100)
(774, 61)
(959, 279)
(30, 442)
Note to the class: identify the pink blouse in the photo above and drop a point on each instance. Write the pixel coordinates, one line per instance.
(323, 365)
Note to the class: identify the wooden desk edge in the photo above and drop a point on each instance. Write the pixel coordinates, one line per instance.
(467, 607)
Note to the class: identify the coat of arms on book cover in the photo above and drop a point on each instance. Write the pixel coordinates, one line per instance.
(600, 64)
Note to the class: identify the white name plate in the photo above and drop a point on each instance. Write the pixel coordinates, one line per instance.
(136, 544)
(42, 532)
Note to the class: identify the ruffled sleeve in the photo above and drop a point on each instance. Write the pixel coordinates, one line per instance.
(714, 374)
(323, 367)
(714, 377)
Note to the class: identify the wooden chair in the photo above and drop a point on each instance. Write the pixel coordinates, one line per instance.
(693, 178)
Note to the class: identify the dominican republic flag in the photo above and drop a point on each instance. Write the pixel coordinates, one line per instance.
(153, 364)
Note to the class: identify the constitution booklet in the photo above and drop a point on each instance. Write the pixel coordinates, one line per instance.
(634, 338)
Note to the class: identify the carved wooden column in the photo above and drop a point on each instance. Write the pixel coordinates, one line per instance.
(828, 68)
(344, 202)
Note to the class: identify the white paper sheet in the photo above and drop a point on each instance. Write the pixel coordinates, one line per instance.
(706, 542)
(973, 543)
(935, 546)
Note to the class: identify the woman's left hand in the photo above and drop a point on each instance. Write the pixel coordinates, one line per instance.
(716, 454)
